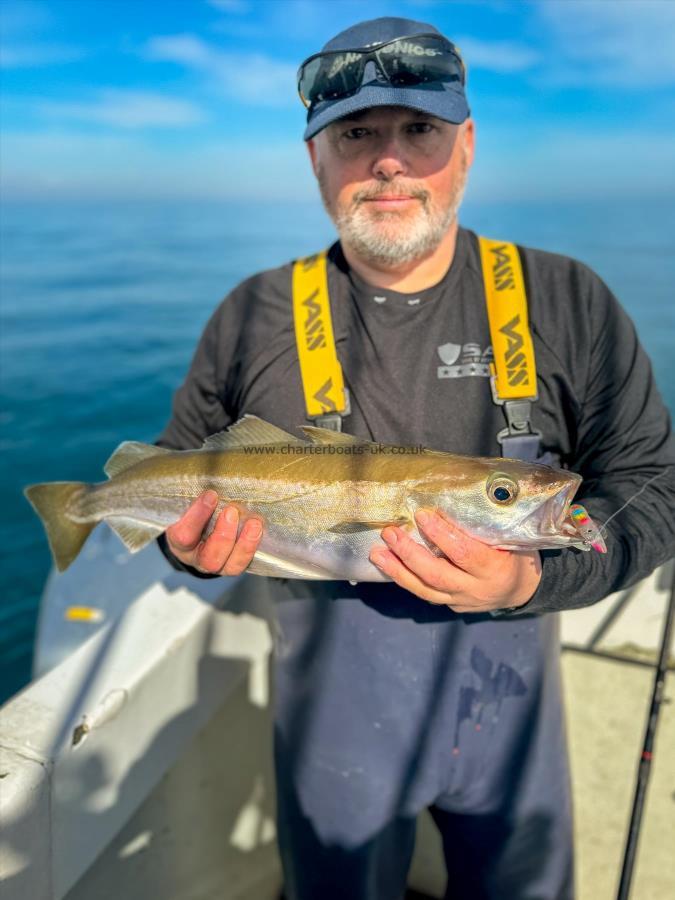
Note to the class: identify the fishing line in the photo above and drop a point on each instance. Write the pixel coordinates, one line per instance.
(630, 499)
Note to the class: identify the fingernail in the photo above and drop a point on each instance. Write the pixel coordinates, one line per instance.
(210, 499)
(254, 529)
(231, 515)
(423, 517)
(377, 558)
(390, 535)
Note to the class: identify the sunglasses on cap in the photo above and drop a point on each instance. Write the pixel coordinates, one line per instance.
(402, 62)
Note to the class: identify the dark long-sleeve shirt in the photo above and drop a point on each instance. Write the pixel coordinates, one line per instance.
(416, 366)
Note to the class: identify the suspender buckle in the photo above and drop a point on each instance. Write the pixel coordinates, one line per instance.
(333, 420)
(517, 414)
(519, 440)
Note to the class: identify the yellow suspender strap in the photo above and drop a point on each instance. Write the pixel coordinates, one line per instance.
(320, 368)
(516, 374)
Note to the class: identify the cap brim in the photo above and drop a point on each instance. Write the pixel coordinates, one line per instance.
(436, 100)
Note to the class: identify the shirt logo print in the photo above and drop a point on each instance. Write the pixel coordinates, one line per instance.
(464, 360)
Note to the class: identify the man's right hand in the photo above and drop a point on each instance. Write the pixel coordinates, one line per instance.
(222, 553)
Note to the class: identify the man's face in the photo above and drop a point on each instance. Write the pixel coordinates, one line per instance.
(392, 180)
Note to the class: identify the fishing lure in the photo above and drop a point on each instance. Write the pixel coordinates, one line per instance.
(587, 528)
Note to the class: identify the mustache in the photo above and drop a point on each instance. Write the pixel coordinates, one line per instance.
(391, 189)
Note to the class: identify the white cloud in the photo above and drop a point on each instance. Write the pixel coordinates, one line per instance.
(497, 56)
(185, 49)
(26, 55)
(126, 109)
(622, 44)
(20, 48)
(307, 22)
(251, 78)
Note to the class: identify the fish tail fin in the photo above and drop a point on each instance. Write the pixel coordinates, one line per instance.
(50, 501)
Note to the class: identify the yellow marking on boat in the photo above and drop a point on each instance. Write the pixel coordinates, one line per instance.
(83, 614)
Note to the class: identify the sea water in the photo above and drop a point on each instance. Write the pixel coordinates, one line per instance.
(102, 305)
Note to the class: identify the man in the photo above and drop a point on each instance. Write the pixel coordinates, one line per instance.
(386, 704)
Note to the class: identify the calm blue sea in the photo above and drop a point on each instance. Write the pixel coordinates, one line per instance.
(101, 306)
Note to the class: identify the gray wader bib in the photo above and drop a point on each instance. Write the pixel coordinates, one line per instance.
(386, 705)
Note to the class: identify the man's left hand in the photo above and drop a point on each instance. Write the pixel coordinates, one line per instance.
(473, 577)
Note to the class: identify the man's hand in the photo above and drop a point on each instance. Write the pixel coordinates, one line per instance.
(473, 578)
(222, 553)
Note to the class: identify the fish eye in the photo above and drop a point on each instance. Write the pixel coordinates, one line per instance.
(501, 489)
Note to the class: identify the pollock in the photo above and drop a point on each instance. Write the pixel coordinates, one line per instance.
(323, 501)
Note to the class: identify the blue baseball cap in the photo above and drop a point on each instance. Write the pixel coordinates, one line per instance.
(444, 99)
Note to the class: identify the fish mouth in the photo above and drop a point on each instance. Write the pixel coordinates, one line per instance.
(558, 520)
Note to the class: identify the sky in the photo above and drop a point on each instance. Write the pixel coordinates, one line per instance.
(572, 99)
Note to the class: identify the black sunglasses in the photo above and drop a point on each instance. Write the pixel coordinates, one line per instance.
(402, 62)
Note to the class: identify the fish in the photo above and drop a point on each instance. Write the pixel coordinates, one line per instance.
(323, 500)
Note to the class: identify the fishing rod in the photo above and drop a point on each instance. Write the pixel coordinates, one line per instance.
(644, 766)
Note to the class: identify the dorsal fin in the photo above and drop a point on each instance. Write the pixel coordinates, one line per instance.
(128, 454)
(247, 431)
(328, 436)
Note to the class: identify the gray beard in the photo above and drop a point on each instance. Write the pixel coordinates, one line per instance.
(379, 238)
